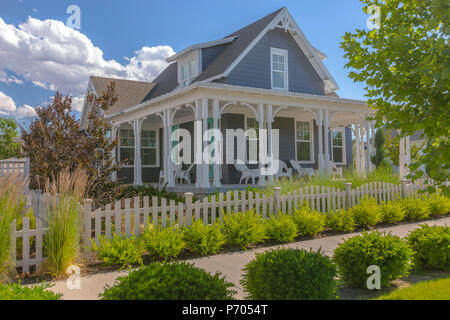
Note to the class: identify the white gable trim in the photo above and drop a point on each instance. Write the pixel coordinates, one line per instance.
(289, 24)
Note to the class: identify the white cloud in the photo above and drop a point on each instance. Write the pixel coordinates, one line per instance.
(77, 103)
(9, 79)
(8, 108)
(55, 57)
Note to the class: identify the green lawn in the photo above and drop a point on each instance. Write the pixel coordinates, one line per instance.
(427, 290)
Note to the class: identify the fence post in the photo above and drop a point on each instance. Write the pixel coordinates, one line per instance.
(277, 194)
(348, 195)
(404, 188)
(87, 223)
(188, 196)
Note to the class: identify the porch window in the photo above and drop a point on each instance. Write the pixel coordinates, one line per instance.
(253, 124)
(149, 147)
(337, 143)
(126, 146)
(303, 140)
(279, 68)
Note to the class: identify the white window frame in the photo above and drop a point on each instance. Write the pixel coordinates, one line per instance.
(284, 53)
(189, 69)
(156, 165)
(127, 147)
(312, 141)
(344, 154)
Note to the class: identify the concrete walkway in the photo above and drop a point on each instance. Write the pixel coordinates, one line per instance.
(229, 264)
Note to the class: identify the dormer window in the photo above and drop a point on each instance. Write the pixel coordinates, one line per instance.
(279, 68)
(188, 72)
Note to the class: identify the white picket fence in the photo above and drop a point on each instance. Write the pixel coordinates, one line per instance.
(129, 216)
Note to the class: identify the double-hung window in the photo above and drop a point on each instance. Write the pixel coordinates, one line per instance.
(303, 140)
(337, 143)
(126, 146)
(279, 68)
(188, 72)
(149, 147)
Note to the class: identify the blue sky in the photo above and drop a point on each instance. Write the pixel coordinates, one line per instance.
(145, 32)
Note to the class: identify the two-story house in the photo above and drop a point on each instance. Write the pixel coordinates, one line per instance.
(266, 75)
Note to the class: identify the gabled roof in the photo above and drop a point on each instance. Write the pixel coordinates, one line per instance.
(130, 92)
(245, 36)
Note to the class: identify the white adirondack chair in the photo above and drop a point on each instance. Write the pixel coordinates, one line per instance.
(334, 169)
(300, 170)
(283, 170)
(247, 173)
(183, 175)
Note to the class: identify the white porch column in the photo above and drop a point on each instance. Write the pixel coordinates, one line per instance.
(114, 130)
(262, 179)
(169, 173)
(269, 138)
(327, 149)
(198, 143)
(205, 166)
(216, 116)
(137, 125)
(357, 149)
(369, 137)
(319, 122)
(405, 157)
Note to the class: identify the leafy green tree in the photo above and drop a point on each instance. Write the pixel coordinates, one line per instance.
(8, 131)
(405, 66)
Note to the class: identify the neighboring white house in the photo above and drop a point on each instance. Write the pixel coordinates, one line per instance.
(266, 75)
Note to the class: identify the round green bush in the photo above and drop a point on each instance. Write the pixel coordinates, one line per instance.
(17, 292)
(281, 228)
(415, 209)
(242, 229)
(367, 213)
(438, 205)
(340, 221)
(390, 253)
(163, 242)
(169, 281)
(290, 274)
(309, 222)
(431, 246)
(203, 239)
(392, 212)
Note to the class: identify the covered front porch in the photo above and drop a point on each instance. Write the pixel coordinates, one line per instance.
(315, 133)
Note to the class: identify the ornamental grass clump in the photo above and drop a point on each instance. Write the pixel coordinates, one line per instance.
(62, 241)
(12, 188)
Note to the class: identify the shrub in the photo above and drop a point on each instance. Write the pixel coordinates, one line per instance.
(308, 222)
(11, 204)
(392, 212)
(290, 274)
(17, 292)
(431, 246)
(163, 242)
(388, 252)
(438, 205)
(169, 281)
(415, 209)
(242, 229)
(119, 251)
(367, 213)
(340, 221)
(203, 239)
(64, 220)
(281, 228)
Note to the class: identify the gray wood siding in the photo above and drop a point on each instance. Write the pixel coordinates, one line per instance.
(209, 54)
(254, 69)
